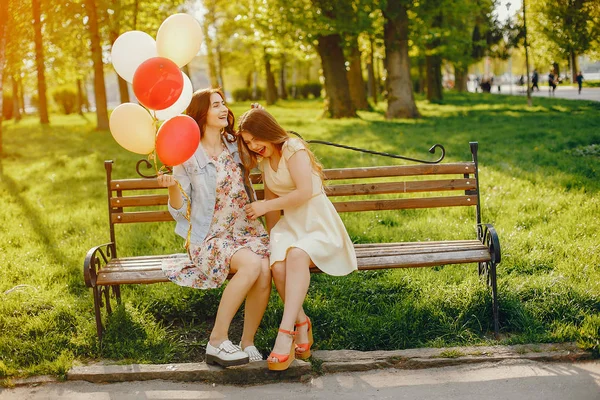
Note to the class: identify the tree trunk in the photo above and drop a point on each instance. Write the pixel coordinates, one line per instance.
(220, 66)
(371, 82)
(401, 102)
(433, 64)
(271, 93)
(283, 95)
(338, 103)
(422, 84)
(460, 78)
(99, 87)
(210, 57)
(355, 78)
(115, 30)
(79, 98)
(15, 99)
(21, 97)
(3, 30)
(39, 62)
(574, 66)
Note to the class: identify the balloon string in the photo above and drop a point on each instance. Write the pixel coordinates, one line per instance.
(188, 215)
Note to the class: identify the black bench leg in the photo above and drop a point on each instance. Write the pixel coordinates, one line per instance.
(97, 305)
(493, 284)
(117, 293)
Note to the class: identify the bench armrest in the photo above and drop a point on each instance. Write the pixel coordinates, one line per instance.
(95, 259)
(488, 236)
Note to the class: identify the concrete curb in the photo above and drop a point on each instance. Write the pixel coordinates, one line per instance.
(328, 362)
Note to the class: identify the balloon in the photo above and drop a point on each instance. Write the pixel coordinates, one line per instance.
(130, 50)
(133, 128)
(181, 104)
(157, 83)
(179, 38)
(177, 139)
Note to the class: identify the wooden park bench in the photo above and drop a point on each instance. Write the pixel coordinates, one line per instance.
(430, 185)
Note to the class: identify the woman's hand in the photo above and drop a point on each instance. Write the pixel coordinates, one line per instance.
(256, 209)
(165, 180)
(256, 105)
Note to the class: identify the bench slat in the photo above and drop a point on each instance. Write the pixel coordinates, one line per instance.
(147, 269)
(360, 189)
(140, 201)
(135, 184)
(140, 216)
(396, 204)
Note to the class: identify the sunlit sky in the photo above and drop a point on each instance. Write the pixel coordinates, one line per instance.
(503, 13)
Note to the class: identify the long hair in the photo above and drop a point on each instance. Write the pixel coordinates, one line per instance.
(261, 125)
(198, 110)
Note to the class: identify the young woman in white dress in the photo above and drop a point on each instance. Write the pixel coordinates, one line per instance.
(310, 232)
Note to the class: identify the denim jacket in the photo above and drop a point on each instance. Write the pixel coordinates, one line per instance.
(198, 178)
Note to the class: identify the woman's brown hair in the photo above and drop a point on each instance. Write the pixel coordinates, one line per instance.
(261, 125)
(198, 110)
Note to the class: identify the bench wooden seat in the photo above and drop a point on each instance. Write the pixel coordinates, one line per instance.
(371, 189)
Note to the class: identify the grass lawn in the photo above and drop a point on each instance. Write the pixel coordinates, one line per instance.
(540, 185)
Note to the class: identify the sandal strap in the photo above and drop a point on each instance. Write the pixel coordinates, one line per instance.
(303, 323)
(291, 333)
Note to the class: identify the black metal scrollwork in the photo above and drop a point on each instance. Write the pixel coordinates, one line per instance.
(431, 150)
(148, 165)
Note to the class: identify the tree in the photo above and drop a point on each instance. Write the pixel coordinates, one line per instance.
(569, 24)
(39, 62)
(96, 48)
(3, 31)
(401, 102)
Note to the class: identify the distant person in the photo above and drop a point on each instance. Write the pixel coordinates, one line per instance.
(579, 79)
(521, 80)
(552, 80)
(534, 81)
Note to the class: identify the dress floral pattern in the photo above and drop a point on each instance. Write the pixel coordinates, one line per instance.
(230, 231)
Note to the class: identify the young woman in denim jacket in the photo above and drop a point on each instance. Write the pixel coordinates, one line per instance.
(222, 239)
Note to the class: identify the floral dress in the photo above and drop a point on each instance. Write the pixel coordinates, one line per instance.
(230, 231)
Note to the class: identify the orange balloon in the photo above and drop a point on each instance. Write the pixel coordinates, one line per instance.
(177, 140)
(157, 83)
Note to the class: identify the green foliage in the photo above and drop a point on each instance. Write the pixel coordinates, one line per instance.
(307, 90)
(539, 189)
(66, 99)
(590, 334)
(246, 94)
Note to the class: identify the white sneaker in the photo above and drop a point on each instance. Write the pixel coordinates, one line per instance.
(253, 353)
(226, 355)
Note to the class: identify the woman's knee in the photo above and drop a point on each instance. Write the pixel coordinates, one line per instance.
(251, 266)
(297, 258)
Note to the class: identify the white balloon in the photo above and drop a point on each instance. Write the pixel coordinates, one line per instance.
(130, 50)
(179, 38)
(181, 104)
(133, 128)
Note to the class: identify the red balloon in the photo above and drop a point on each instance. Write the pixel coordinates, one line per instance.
(177, 140)
(157, 83)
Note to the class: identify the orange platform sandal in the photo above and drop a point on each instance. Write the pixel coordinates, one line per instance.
(283, 360)
(303, 349)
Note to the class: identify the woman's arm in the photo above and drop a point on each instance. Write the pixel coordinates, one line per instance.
(300, 169)
(272, 217)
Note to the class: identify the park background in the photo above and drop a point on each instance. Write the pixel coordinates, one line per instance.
(387, 76)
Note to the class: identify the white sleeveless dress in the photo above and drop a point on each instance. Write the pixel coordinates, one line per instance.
(314, 226)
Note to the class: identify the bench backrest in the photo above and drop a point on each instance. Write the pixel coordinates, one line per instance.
(428, 186)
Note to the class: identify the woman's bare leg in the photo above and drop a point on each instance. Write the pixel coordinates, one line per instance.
(256, 303)
(297, 280)
(247, 270)
(279, 276)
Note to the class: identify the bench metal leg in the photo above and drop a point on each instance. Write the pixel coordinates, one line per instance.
(97, 306)
(493, 284)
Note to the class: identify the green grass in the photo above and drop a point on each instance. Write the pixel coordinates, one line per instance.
(539, 177)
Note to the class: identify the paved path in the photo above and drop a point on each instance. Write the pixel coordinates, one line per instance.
(509, 379)
(562, 92)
